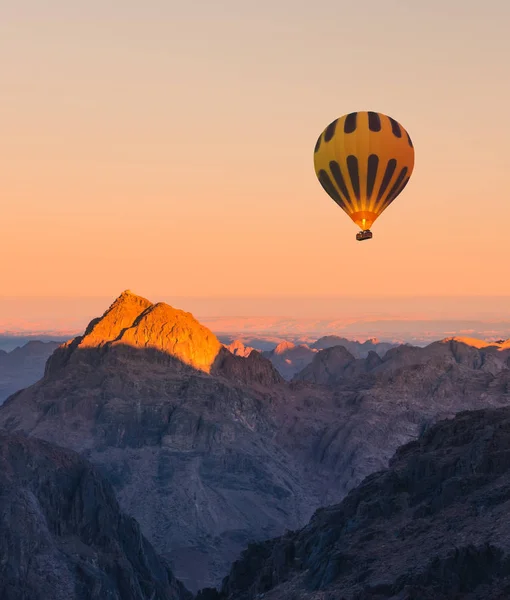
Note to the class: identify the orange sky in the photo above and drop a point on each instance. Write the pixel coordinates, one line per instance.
(167, 147)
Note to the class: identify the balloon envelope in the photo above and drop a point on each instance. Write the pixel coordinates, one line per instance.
(363, 161)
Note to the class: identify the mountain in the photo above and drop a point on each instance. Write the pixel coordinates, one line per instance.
(62, 535)
(289, 358)
(435, 525)
(134, 321)
(23, 366)
(188, 433)
(439, 360)
(210, 451)
(336, 364)
(384, 403)
(357, 349)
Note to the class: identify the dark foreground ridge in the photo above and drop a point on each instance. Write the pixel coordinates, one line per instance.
(62, 535)
(435, 525)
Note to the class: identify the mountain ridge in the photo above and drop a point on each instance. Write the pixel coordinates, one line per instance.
(210, 461)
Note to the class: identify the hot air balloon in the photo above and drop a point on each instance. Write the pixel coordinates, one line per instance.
(364, 160)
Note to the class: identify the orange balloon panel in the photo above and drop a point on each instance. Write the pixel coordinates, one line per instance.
(364, 160)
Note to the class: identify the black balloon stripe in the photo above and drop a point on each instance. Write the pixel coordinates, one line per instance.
(330, 131)
(374, 121)
(399, 190)
(388, 174)
(339, 179)
(318, 144)
(330, 189)
(373, 163)
(352, 167)
(395, 127)
(396, 189)
(409, 140)
(406, 181)
(351, 122)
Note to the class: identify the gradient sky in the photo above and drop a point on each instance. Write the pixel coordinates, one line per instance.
(167, 147)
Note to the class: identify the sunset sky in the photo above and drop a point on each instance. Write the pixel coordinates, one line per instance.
(167, 147)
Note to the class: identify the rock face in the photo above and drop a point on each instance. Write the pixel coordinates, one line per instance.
(210, 451)
(251, 370)
(434, 526)
(62, 535)
(23, 366)
(239, 349)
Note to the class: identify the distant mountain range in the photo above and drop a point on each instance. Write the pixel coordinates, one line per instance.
(289, 359)
(12, 340)
(23, 366)
(264, 333)
(212, 448)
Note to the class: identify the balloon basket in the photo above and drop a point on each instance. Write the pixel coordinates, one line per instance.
(364, 235)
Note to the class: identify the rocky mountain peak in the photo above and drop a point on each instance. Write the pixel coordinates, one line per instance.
(174, 332)
(327, 366)
(239, 349)
(136, 322)
(477, 343)
(283, 347)
(328, 341)
(246, 370)
(121, 314)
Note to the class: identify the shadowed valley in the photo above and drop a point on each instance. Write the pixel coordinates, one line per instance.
(435, 526)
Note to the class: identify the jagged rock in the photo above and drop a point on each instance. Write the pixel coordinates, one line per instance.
(120, 316)
(239, 349)
(254, 369)
(62, 535)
